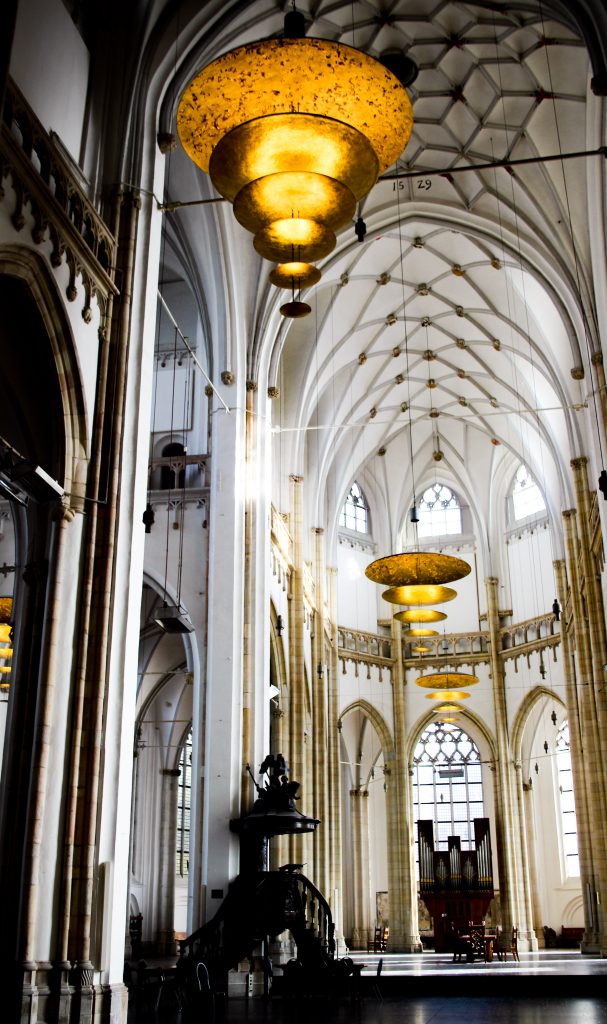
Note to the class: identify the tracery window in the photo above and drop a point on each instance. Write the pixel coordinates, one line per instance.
(439, 512)
(183, 807)
(567, 802)
(355, 511)
(169, 479)
(527, 499)
(447, 783)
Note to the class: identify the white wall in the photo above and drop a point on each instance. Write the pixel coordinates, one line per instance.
(50, 64)
(356, 595)
(531, 576)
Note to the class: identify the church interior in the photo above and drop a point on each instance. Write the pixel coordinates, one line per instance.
(303, 480)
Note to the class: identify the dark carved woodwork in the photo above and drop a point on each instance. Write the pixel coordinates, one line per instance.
(456, 885)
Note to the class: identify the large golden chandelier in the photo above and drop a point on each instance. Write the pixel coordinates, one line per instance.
(294, 132)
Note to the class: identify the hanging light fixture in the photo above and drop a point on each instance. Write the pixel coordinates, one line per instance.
(447, 680)
(417, 568)
(294, 132)
(427, 593)
(419, 631)
(449, 695)
(420, 615)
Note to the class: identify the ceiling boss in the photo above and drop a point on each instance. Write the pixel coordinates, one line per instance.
(294, 132)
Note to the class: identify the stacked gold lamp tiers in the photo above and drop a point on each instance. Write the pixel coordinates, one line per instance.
(294, 132)
(418, 580)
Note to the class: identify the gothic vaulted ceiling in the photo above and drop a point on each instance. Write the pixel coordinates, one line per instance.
(456, 339)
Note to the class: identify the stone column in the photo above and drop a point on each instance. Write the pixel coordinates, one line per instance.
(320, 762)
(578, 679)
(256, 625)
(528, 819)
(526, 916)
(402, 886)
(296, 754)
(361, 910)
(165, 936)
(221, 774)
(505, 819)
(335, 894)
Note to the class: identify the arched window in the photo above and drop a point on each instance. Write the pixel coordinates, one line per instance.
(182, 860)
(439, 512)
(527, 498)
(355, 511)
(567, 802)
(447, 783)
(169, 479)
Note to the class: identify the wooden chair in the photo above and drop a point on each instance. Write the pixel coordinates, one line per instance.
(477, 942)
(206, 997)
(378, 943)
(502, 951)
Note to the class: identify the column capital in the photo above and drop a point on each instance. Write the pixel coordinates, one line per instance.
(172, 772)
(294, 478)
(491, 581)
(579, 462)
(569, 513)
(318, 530)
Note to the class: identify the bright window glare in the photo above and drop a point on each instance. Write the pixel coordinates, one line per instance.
(568, 818)
(439, 512)
(355, 511)
(527, 498)
(447, 783)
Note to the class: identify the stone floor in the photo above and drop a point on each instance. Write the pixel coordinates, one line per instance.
(553, 987)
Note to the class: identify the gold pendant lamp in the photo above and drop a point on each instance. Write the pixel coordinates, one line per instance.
(294, 132)
(447, 681)
(419, 594)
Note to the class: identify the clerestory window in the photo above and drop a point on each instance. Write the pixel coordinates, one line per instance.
(527, 499)
(355, 511)
(439, 512)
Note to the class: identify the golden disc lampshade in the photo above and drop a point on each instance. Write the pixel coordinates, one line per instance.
(427, 593)
(413, 568)
(420, 615)
(447, 680)
(294, 133)
(448, 695)
(419, 631)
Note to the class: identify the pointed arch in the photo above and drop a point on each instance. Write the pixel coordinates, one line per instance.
(523, 714)
(378, 722)
(465, 716)
(40, 288)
